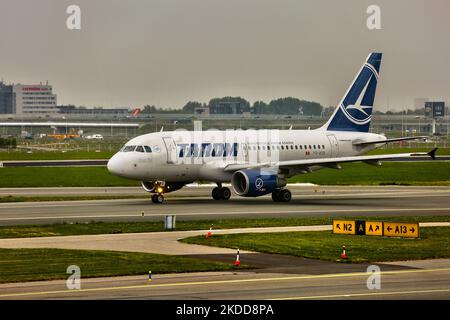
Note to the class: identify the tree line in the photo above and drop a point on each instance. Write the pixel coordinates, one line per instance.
(288, 106)
(8, 143)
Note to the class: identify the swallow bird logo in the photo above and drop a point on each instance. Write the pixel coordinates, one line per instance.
(259, 183)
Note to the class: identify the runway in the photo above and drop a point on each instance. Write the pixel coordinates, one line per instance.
(195, 203)
(396, 283)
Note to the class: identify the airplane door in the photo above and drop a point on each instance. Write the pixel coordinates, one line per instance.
(334, 145)
(171, 150)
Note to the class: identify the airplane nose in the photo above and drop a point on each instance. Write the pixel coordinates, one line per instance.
(113, 165)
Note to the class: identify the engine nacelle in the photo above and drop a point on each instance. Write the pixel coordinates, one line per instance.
(148, 186)
(255, 183)
(153, 186)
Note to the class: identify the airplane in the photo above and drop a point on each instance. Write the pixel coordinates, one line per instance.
(259, 162)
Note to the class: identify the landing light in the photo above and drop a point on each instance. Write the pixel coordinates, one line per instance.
(160, 190)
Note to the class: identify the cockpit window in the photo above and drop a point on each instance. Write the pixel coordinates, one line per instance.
(128, 148)
(139, 149)
(147, 149)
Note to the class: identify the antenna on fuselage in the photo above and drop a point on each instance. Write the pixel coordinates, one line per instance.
(290, 128)
(162, 129)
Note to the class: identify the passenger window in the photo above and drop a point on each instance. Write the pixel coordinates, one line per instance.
(282, 147)
(148, 149)
(292, 147)
(310, 147)
(140, 149)
(323, 146)
(314, 146)
(268, 147)
(306, 147)
(296, 147)
(300, 147)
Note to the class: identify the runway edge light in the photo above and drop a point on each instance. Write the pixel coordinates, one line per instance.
(237, 263)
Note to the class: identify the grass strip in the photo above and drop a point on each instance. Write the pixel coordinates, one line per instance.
(7, 199)
(91, 228)
(390, 173)
(19, 265)
(433, 244)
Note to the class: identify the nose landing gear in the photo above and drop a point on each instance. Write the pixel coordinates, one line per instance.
(157, 198)
(159, 188)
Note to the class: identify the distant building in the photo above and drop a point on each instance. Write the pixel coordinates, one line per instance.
(203, 111)
(419, 103)
(7, 99)
(34, 99)
(228, 108)
(72, 110)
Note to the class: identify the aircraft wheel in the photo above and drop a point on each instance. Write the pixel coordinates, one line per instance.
(216, 194)
(157, 198)
(285, 195)
(225, 193)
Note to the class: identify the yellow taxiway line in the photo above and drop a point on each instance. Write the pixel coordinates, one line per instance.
(351, 295)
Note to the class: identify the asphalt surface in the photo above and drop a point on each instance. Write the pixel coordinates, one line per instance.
(195, 203)
(273, 276)
(346, 282)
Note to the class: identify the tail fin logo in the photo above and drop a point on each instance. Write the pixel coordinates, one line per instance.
(358, 112)
(355, 109)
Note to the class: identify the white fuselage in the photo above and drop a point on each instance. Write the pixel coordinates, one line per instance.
(186, 156)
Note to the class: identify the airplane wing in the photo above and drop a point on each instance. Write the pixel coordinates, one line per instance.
(363, 142)
(328, 162)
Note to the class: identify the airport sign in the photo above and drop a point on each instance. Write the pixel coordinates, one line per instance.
(376, 228)
(344, 227)
(405, 230)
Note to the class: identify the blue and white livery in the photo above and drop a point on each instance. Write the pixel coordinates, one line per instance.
(258, 162)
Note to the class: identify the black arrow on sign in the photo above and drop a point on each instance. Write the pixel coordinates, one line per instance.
(377, 228)
(338, 226)
(389, 228)
(412, 230)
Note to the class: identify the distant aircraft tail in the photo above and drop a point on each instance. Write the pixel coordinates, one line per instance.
(354, 112)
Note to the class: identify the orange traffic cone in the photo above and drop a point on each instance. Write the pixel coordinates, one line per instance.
(209, 234)
(343, 254)
(237, 263)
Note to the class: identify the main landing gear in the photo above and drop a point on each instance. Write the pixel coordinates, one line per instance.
(281, 195)
(221, 193)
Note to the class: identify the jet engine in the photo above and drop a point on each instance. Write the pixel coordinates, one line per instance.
(255, 183)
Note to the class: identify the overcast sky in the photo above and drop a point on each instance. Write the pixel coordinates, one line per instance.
(167, 52)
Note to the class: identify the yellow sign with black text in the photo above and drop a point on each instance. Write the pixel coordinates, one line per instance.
(374, 228)
(344, 227)
(406, 230)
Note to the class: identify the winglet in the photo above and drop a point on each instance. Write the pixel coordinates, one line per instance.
(432, 153)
